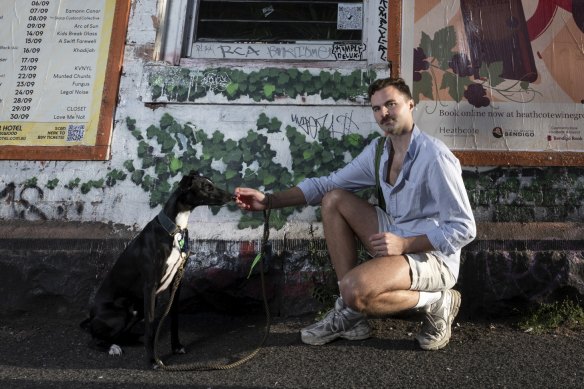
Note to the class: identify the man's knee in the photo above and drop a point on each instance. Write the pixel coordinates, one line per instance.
(354, 292)
(332, 198)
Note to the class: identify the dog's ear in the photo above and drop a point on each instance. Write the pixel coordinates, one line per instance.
(187, 181)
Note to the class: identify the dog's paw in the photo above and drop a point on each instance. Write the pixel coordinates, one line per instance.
(179, 350)
(115, 350)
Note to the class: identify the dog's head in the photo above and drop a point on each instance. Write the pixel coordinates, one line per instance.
(197, 189)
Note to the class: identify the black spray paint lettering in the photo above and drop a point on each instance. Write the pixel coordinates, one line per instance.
(348, 51)
(337, 125)
(382, 40)
(203, 49)
(21, 207)
(239, 51)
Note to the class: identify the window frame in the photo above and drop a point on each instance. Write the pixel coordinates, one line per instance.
(174, 42)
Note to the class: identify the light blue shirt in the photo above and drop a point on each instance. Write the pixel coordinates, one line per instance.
(428, 198)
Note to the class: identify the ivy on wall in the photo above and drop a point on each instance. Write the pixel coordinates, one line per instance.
(185, 85)
(170, 148)
(527, 194)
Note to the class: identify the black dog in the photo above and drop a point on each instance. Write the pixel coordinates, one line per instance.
(146, 268)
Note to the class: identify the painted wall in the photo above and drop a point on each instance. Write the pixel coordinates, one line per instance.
(267, 128)
(260, 127)
(263, 127)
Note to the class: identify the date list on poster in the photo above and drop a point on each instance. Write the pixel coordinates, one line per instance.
(51, 71)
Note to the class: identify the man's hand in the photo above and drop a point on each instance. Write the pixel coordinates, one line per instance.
(385, 244)
(250, 199)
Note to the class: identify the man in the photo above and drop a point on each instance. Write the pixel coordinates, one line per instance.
(415, 242)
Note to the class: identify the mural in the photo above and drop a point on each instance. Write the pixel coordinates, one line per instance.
(184, 85)
(250, 161)
(316, 146)
(499, 75)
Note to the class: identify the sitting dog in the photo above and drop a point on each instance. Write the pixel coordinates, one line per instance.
(146, 268)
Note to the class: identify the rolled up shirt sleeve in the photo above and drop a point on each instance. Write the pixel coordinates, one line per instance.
(455, 224)
(357, 174)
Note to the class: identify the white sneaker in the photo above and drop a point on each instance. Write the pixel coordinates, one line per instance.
(339, 322)
(436, 328)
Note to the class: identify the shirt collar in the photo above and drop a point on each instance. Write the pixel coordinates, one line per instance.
(414, 141)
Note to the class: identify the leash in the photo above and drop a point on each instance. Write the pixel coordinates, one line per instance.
(180, 272)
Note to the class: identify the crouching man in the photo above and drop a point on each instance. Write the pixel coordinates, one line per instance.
(414, 236)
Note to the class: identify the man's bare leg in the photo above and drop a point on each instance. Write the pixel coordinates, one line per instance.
(344, 217)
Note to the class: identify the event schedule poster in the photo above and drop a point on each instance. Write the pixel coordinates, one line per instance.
(53, 59)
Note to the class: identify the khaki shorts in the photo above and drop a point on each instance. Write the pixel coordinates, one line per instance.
(429, 273)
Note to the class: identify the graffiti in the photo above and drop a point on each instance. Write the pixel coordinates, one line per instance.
(215, 81)
(382, 29)
(527, 274)
(300, 52)
(337, 125)
(189, 85)
(349, 51)
(22, 204)
(229, 51)
(263, 51)
(203, 50)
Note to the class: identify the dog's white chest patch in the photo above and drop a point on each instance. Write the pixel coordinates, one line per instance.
(172, 264)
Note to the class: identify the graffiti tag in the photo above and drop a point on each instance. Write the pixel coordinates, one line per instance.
(382, 40)
(215, 81)
(348, 51)
(337, 125)
(21, 206)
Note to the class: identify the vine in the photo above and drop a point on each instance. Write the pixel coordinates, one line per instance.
(249, 161)
(268, 84)
(438, 67)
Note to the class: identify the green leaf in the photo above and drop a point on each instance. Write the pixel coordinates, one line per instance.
(175, 165)
(455, 85)
(354, 139)
(442, 45)
(254, 263)
(232, 88)
(283, 79)
(263, 121)
(269, 90)
(492, 73)
(230, 174)
(424, 87)
(426, 43)
(52, 184)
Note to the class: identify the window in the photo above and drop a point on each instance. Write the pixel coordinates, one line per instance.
(277, 30)
(282, 21)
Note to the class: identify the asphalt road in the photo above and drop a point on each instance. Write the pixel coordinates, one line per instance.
(50, 352)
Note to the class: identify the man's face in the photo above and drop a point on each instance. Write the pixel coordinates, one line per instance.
(392, 111)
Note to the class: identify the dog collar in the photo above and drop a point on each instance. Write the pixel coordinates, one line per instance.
(168, 224)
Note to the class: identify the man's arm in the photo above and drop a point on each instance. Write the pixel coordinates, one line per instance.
(254, 200)
(386, 243)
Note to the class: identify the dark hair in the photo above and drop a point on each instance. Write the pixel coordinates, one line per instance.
(397, 83)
